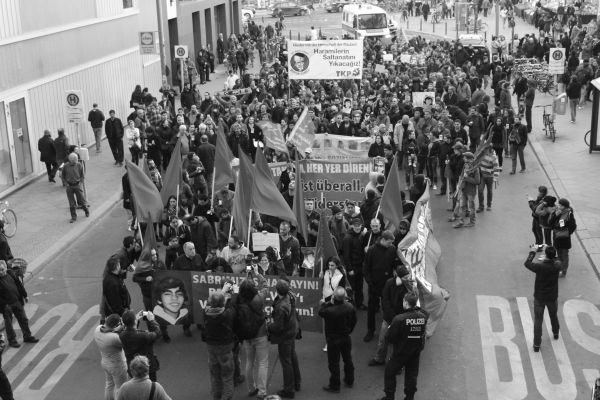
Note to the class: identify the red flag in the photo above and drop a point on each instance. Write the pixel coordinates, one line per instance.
(223, 156)
(303, 134)
(145, 168)
(145, 260)
(298, 208)
(172, 177)
(479, 153)
(148, 204)
(242, 198)
(390, 205)
(266, 199)
(273, 136)
(325, 247)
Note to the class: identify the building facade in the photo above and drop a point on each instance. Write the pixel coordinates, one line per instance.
(50, 47)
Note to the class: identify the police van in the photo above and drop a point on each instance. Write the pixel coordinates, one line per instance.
(361, 20)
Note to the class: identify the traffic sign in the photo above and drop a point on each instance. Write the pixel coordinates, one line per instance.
(74, 106)
(181, 51)
(556, 63)
(148, 43)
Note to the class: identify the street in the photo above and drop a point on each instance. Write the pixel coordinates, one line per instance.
(482, 348)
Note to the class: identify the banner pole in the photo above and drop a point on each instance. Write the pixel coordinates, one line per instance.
(177, 207)
(230, 227)
(212, 191)
(376, 215)
(249, 229)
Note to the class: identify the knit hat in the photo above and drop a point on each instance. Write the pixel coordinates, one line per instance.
(458, 146)
(401, 271)
(335, 210)
(468, 155)
(387, 235)
(550, 200)
(564, 202)
(356, 221)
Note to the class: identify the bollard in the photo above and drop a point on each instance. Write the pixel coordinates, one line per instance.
(320, 34)
(290, 34)
(421, 25)
(434, 27)
(446, 29)
(298, 35)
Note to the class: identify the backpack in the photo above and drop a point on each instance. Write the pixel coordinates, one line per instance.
(247, 322)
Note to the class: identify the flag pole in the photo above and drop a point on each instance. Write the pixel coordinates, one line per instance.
(212, 191)
(177, 207)
(376, 215)
(249, 229)
(230, 226)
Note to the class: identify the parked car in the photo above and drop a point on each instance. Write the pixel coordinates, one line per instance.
(337, 5)
(288, 8)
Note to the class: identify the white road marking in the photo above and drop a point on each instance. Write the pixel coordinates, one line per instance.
(571, 311)
(567, 388)
(516, 388)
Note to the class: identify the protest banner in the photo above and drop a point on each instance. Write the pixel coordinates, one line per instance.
(307, 291)
(421, 253)
(423, 99)
(303, 133)
(276, 169)
(273, 135)
(172, 297)
(262, 240)
(325, 59)
(328, 182)
(338, 147)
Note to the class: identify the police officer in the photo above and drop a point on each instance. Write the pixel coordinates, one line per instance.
(407, 334)
(340, 319)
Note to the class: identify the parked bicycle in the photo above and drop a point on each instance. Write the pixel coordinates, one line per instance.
(548, 123)
(10, 219)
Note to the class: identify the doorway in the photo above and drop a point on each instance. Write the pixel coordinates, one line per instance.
(197, 33)
(15, 148)
(208, 28)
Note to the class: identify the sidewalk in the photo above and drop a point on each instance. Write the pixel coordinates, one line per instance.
(43, 210)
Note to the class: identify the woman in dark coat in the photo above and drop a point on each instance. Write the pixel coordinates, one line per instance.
(48, 154)
(376, 149)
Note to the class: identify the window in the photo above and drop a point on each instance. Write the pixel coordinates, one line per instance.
(127, 3)
(372, 21)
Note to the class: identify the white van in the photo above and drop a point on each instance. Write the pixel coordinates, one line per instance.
(366, 20)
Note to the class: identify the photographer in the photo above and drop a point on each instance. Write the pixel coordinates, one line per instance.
(139, 342)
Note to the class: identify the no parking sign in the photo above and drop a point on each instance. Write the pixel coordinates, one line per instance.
(181, 51)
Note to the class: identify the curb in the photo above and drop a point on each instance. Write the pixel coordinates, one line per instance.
(556, 183)
(70, 237)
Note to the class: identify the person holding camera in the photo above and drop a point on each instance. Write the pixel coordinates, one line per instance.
(113, 360)
(340, 319)
(283, 329)
(219, 317)
(140, 342)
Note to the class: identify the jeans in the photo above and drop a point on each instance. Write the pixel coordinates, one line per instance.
(538, 312)
(573, 103)
(498, 151)
(220, 365)
(467, 202)
(116, 147)
(51, 168)
(537, 231)
(486, 182)
(257, 363)
(5, 389)
(528, 118)
(432, 164)
(444, 185)
(135, 154)
(382, 344)
(289, 365)
(373, 306)
(337, 347)
(410, 362)
(563, 256)
(115, 376)
(98, 137)
(18, 311)
(75, 197)
(517, 149)
(356, 282)
(548, 236)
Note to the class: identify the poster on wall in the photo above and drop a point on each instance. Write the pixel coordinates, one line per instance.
(325, 59)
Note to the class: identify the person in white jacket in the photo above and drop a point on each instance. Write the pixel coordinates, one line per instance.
(113, 358)
(133, 141)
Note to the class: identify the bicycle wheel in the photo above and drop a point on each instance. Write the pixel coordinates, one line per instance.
(552, 131)
(586, 138)
(546, 123)
(10, 223)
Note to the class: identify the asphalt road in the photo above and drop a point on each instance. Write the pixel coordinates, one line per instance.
(481, 349)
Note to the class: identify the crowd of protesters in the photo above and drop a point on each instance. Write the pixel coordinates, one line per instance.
(439, 141)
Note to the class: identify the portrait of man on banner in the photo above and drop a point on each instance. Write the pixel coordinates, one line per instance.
(172, 298)
(300, 62)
